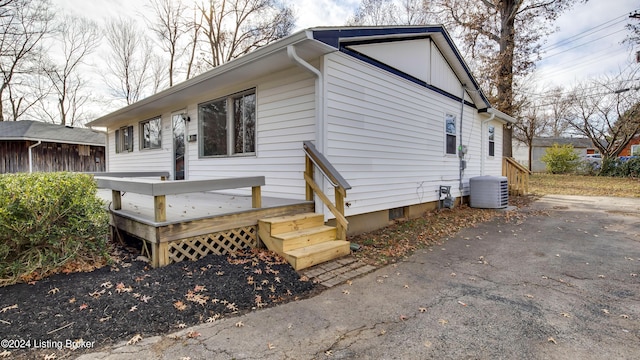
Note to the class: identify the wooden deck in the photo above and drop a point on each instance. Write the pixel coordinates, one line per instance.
(197, 223)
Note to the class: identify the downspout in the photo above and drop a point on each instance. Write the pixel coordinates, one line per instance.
(461, 150)
(31, 155)
(293, 56)
(319, 102)
(482, 140)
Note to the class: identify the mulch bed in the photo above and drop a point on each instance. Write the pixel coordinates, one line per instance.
(130, 298)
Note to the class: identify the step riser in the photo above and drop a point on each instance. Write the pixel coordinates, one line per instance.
(282, 227)
(309, 260)
(296, 243)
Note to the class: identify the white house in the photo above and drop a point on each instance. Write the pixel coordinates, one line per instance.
(394, 109)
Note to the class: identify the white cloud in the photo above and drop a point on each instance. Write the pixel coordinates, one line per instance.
(314, 13)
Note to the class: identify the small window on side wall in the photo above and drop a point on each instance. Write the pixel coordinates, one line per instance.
(124, 139)
(492, 142)
(450, 133)
(150, 134)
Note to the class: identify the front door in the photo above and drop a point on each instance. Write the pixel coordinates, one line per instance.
(178, 125)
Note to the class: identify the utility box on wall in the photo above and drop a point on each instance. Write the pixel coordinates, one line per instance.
(489, 192)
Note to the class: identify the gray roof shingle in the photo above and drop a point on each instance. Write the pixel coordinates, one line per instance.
(36, 130)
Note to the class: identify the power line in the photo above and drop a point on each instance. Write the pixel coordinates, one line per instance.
(580, 35)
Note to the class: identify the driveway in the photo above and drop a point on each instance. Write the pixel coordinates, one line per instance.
(557, 281)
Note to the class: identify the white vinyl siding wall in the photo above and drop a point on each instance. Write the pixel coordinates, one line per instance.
(285, 118)
(385, 135)
(152, 159)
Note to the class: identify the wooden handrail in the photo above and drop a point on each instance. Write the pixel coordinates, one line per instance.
(313, 159)
(517, 176)
(325, 166)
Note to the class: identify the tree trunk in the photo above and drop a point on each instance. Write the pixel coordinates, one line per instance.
(504, 82)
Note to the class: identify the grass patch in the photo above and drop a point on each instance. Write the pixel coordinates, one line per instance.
(543, 184)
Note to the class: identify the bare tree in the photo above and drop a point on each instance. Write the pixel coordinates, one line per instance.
(232, 28)
(169, 27)
(131, 74)
(390, 12)
(23, 26)
(504, 37)
(559, 111)
(609, 117)
(194, 28)
(77, 38)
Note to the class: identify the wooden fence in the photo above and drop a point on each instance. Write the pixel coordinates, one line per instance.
(49, 157)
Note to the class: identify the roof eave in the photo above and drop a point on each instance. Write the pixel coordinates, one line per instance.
(507, 119)
(239, 62)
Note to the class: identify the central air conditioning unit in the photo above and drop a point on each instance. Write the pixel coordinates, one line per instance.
(489, 192)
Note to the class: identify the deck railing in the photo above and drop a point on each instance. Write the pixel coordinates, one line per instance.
(160, 188)
(517, 176)
(313, 159)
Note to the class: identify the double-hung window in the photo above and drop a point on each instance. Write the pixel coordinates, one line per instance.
(450, 133)
(150, 134)
(635, 150)
(228, 125)
(124, 139)
(492, 141)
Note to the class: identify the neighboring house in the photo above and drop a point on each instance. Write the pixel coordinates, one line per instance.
(582, 146)
(27, 146)
(390, 107)
(632, 148)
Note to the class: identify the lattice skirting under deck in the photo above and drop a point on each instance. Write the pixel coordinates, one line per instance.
(220, 243)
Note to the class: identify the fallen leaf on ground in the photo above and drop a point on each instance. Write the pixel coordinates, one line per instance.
(135, 339)
(239, 324)
(51, 356)
(270, 346)
(624, 316)
(5, 354)
(461, 303)
(54, 291)
(565, 315)
(346, 292)
(605, 311)
(193, 334)
(422, 309)
(551, 340)
(403, 317)
(5, 309)
(443, 322)
(179, 305)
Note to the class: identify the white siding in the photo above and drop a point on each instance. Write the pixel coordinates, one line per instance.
(442, 76)
(386, 136)
(285, 118)
(411, 56)
(138, 159)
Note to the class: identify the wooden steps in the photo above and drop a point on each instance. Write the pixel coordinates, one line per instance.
(303, 239)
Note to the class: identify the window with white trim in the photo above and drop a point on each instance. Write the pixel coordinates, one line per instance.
(124, 139)
(150, 134)
(450, 134)
(228, 125)
(492, 141)
(635, 150)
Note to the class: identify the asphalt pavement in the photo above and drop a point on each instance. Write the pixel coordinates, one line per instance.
(558, 280)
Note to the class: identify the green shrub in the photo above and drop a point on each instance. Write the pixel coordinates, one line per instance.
(617, 168)
(561, 159)
(49, 221)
